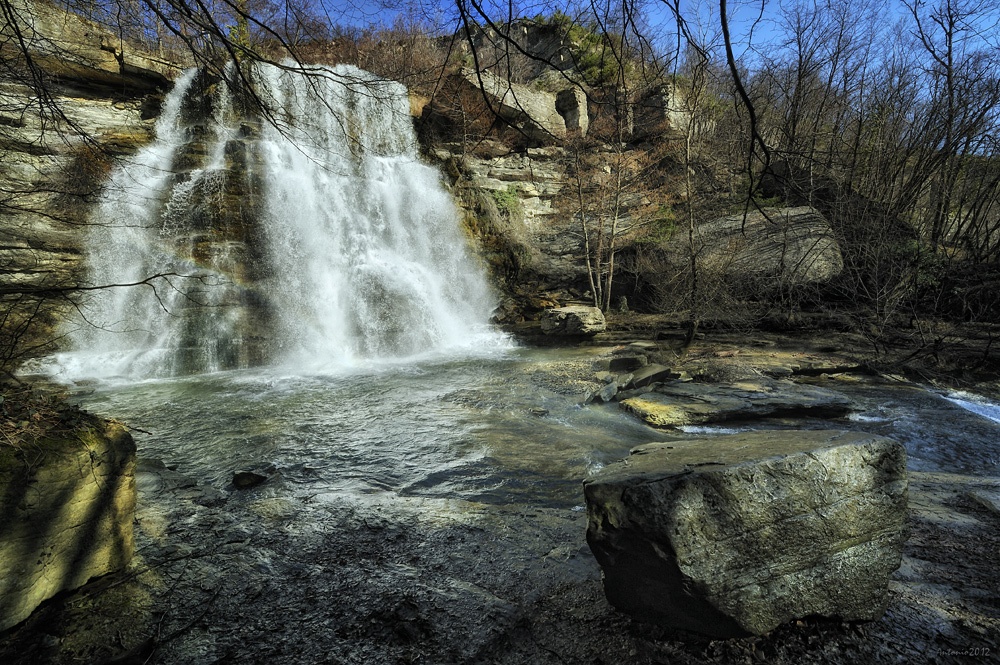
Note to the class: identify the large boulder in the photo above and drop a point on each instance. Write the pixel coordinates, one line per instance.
(677, 403)
(66, 515)
(573, 320)
(795, 246)
(532, 111)
(734, 535)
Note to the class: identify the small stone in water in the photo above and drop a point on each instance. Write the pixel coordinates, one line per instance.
(246, 479)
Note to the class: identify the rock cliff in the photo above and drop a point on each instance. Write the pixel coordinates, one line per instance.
(56, 148)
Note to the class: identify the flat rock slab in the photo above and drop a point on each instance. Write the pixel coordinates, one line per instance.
(650, 374)
(677, 403)
(734, 535)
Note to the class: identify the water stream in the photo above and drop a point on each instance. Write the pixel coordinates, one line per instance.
(488, 429)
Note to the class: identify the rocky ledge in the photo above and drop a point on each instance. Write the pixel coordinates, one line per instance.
(677, 403)
(66, 514)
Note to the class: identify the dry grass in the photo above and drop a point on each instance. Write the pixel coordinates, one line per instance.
(27, 416)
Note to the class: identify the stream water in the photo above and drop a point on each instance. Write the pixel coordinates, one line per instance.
(488, 429)
(496, 428)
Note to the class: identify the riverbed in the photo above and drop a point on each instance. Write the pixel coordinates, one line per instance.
(432, 512)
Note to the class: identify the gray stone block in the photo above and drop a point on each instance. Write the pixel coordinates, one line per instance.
(734, 535)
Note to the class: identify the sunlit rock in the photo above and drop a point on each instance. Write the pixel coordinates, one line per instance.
(767, 249)
(72, 48)
(66, 517)
(650, 374)
(534, 111)
(735, 535)
(678, 403)
(793, 245)
(573, 320)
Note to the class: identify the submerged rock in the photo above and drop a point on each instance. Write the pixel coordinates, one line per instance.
(677, 403)
(243, 480)
(573, 320)
(737, 534)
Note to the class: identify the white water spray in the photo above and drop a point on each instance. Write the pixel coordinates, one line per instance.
(308, 235)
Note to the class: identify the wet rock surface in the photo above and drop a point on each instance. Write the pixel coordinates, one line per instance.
(674, 403)
(734, 535)
(230, 584)
(370, 580)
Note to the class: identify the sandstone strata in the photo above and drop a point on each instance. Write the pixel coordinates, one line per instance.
(56, 153)
(676, 403)
(74, 49)
(66, 517)
(794, 245)
(734, 535)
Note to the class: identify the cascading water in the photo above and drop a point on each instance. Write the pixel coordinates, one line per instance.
(288, 222)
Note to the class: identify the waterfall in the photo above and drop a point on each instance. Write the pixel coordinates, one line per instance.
(285, 221)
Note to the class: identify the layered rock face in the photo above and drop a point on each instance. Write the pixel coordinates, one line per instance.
(77, 51)
(795, 245)
(56, 153)
(66, 516)
(734, 535)
(50, 177)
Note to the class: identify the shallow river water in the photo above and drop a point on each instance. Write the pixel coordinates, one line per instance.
(422, 512)
(510, 427)
(490, 430)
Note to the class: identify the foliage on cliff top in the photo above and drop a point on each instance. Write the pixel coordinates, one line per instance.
(595, 51)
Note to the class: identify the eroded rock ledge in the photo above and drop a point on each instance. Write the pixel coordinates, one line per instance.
(66, 514)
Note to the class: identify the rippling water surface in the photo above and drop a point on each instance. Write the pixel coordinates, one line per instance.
(488, 429)
(509, 428)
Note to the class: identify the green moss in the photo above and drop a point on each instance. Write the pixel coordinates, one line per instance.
(661, 228)
(508, 201)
